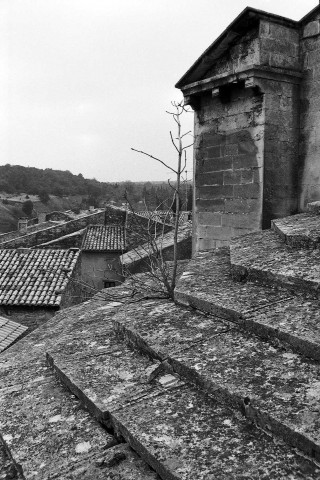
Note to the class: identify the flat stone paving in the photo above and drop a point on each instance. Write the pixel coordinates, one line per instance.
(264, 257)
(300, 231)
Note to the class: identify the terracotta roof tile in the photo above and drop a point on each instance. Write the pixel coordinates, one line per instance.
(104, 238)
(9, 332)
(35, 277)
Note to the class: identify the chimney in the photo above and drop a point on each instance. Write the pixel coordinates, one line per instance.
(23, 225)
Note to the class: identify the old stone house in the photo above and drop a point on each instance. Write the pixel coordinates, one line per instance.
(34, 284)
(100, 258)
(255, 94)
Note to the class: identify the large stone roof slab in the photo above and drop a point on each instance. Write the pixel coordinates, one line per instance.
(186, 437)
(264, 257)
(294, 321)
(232, 365)
(107, 380)
(48, 432)
(45, 428)
(207, 284)
(299, 231)
(272, 313)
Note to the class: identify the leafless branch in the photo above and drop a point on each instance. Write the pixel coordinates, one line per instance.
(154, 158)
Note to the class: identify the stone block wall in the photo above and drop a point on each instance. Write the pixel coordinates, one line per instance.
(279, 45)
(242, 54)
(54, 232)
(309, 172)
(229, 167)
(281, 147)
(98, 267)
(73, 292)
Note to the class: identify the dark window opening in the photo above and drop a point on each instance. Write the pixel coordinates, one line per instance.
(107, 284)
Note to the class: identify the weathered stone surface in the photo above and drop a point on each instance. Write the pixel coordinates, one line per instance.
(48, 431)
(174, 428)
(106, 380)
(299, 231)
(263, 256)
(294, 321)
(314, 207)
(183, 436)
(231, 366)
(7, 468)
(116, 463)
(45, 428)
(270, 313)
(207, 285)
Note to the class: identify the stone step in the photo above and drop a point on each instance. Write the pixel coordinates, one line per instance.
(272, 313)
(47, 431)
(173, 427)
(276, 389)
(299, 231)
(263, 256)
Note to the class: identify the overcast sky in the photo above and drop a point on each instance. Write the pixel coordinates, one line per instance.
(83, 81)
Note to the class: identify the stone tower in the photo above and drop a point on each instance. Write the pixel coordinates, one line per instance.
(256, 96)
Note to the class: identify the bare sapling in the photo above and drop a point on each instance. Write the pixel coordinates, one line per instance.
(181, 146)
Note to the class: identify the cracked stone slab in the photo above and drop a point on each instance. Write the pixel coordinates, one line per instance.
(264, 257)
(160, 328)
(294, 321)
(283, 390)
(183, 436)
(207, 285)
(299, 231)
(231, 365)
(116, 463)
(278, 317)
(46, 429)
(48, 432)
(106, 381)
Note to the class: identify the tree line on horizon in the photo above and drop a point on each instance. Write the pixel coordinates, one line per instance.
(16, 179)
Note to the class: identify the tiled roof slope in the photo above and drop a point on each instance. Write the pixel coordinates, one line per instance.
(35, 277)
(9, 332)
(104, 238)
(162, 242)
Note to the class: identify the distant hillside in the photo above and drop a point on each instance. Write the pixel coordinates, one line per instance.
(30, 180)
(10, 214)
(15, 179)
(50, 190)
